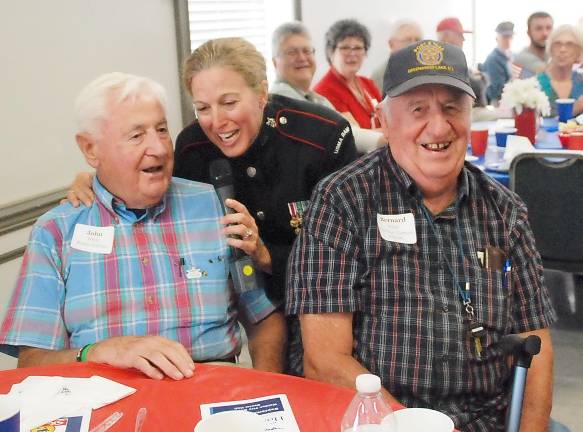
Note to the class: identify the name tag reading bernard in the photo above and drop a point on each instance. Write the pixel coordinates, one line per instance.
(94, 239)
(398, 228)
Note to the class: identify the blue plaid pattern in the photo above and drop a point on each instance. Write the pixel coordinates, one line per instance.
(67, 298)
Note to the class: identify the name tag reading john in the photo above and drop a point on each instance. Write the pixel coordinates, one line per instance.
(397, 228)
(94, 239)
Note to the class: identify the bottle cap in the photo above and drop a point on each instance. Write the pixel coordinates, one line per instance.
(368, 383)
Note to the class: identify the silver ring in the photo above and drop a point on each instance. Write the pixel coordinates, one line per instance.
(247, 234)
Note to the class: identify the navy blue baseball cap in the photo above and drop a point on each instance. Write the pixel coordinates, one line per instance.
(426, 62)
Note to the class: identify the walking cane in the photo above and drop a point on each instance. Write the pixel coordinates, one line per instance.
(522, 350)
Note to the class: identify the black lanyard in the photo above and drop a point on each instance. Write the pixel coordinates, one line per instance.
(464, 293)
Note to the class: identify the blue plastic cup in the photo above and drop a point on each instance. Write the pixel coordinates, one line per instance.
(502, 135)
(565, 109)
(9, 414)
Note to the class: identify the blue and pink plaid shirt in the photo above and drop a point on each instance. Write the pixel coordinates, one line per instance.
(167, 275)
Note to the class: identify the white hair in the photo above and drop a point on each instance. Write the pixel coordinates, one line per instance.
(400, 24)
(115, 87)
(574, 31)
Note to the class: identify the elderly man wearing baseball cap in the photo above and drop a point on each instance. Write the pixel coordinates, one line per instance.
(398, 245)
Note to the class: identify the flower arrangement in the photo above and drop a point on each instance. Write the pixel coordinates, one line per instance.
(525, 93)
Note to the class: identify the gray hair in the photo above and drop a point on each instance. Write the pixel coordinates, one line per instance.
(566, 29)
(92, 103)
(398, 25)
(342, 29)
(286, 30)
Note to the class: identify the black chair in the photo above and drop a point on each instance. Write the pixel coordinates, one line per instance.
(551, 185)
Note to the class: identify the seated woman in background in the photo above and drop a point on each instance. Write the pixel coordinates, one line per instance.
(560, 80)
(354, 96)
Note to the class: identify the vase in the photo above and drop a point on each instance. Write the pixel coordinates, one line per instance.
(525, 123)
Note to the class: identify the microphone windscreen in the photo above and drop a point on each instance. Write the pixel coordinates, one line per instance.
(220, 173)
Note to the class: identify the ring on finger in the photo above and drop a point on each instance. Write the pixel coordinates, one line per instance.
(247, 234)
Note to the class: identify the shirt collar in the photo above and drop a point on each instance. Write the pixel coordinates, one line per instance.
(118, 207)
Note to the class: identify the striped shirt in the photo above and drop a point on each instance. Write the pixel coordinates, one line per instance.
(167, 275)
(409, 324)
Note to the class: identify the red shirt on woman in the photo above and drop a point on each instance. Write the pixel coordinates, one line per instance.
(334, 87)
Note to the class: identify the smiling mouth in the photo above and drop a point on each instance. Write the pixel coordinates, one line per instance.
(227, 136)
(436, 147)
(154, 169)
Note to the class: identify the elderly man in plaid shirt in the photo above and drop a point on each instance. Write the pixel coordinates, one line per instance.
(413, 264)
(140, 279)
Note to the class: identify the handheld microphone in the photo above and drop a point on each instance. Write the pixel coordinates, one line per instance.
(245, 277)
(221, 177)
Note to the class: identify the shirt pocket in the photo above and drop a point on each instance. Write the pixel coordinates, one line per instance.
(201, 286)
(490, 295)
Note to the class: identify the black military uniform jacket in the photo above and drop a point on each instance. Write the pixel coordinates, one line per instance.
(298, 144)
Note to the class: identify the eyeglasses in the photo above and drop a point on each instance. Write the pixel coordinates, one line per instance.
(356, 49)
(295, 52)
(560, 44)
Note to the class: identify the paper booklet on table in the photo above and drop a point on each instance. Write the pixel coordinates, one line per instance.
(275, 410)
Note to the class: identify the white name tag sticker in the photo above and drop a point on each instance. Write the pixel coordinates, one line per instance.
(397, 228)
(94, 239)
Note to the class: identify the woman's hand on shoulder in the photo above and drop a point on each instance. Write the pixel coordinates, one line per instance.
(81, 190)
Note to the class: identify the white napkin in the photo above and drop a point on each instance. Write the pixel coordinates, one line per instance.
(515, 145)
(45, 398)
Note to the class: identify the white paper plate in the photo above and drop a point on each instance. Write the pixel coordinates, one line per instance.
(240, 421)
(471, 158)
(422, 419)
(497, 167)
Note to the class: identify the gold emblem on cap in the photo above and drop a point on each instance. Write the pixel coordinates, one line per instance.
(429, 53)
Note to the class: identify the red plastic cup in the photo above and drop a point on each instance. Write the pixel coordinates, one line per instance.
(575, 141)
(479, 141)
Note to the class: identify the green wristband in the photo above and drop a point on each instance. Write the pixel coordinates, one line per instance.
(82, 355)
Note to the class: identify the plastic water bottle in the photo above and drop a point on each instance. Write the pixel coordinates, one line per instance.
(368, 411)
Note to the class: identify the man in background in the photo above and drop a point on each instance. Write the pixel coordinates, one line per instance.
(403, 32)
(533, 59)
(498, 64)
(450, 30)
(295, 63)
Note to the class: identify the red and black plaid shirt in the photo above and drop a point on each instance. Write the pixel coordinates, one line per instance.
(409, 322)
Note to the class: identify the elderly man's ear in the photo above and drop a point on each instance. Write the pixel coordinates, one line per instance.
(380, 114)
(88, 147)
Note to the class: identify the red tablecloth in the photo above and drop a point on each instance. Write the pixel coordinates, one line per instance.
(175, 405)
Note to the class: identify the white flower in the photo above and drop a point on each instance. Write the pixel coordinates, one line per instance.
(525, 93)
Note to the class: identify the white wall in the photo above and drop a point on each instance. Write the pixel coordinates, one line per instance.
(48, 51)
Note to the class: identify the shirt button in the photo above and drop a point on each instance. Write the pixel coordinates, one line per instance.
(260, 215)
(444, 308)
(145, 260)
(283, 120)
(251, 171)
(150, 300)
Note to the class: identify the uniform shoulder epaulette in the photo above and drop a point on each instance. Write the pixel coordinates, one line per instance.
(307, 123)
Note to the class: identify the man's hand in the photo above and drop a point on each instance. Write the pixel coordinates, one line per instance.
(81, 191)
(155, 356)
